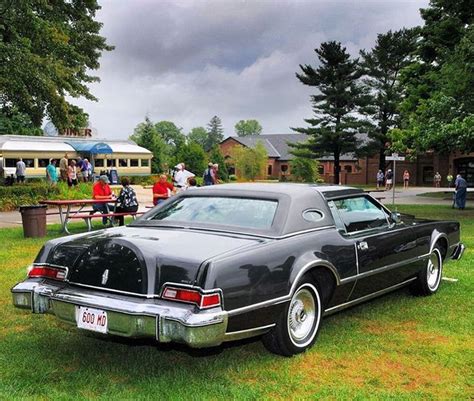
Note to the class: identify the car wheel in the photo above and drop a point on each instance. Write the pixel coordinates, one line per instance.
(430, 277)
(298, 325)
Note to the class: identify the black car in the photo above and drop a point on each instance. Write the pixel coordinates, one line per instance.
(227, 262)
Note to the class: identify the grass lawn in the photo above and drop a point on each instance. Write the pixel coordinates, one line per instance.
(396, 347)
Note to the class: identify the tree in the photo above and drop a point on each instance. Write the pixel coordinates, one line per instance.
(145, 135)
(198, 135)
(304, 169)
(250, 163)
(248, 127)
(14, 123)
(216, 157)
(334, 127)
(438, 109)
(47, 50)
(381, 68)
(214, 133)
(194, 157)
(171, 134)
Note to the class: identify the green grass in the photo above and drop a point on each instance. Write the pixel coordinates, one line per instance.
(397, 347)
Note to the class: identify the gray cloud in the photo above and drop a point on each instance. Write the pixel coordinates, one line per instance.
(187, 61)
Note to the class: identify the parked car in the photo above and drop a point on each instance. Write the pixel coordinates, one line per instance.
(233, 261)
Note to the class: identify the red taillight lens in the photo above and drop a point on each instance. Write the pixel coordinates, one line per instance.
(54, 273)
(192, 296)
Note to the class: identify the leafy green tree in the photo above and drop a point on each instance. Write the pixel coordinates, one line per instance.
(47, 50)
(171, 134)
(214, 133)
(248, 127)
(146, 135)
(381, 68)
(198, 135)
(14, 123)
(438, 107)
(216, 157)
(194, 157)
(304, 169)
(250, 163)
(334, 127)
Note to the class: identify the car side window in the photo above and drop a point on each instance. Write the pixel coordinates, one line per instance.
(359, 214)
(337, 218)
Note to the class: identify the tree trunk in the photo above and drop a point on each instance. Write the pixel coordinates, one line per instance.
(382, 159)
(337, 168)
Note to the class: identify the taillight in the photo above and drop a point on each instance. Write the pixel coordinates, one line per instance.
(192, 296)
(52, 272)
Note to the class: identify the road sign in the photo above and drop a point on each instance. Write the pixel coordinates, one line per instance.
(395, 157)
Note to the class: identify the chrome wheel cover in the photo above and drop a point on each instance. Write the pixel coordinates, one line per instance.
(304, 314)
(433, 270)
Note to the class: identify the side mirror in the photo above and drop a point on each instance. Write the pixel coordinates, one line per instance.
(396, 217)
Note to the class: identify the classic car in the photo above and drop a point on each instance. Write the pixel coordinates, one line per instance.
(232, 261)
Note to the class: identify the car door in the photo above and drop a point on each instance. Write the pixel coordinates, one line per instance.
(384, 248)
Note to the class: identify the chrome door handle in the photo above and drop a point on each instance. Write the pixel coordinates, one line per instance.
(362, 245)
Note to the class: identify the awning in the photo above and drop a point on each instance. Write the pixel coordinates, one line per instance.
(91, 147)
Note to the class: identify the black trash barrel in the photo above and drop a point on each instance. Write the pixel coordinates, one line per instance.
(34, 220)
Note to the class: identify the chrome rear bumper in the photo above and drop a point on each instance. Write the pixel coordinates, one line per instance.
(458, 251)
(127, 316)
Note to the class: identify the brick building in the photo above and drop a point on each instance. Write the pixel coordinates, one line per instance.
(353, 170)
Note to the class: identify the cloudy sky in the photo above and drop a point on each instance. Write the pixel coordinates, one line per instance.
(186, 61)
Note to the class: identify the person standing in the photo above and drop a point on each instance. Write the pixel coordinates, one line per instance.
(85, 170)
(449, 179)
(207, 176)
(51, 173)
(20, 170)
(101, 191)
(406, 179)
(126, 201)
(181, 176)
(380, 177)
(460, 186)
(63, 168)
(437, 179)
(388, 180)
(72, 174)
(162, 190)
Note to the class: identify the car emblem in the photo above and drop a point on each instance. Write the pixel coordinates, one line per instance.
(105, 276)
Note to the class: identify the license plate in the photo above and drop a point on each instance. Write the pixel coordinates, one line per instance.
(92, 319)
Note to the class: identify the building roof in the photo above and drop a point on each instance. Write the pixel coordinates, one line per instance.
(63, 144)
(277, 146)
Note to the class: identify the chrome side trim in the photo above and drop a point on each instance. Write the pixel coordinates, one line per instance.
(383, 268)
(310, 230)
(235, 335)
(310, 265)
(367, 297)
(264, 304)
(135, 294)
(435, 239)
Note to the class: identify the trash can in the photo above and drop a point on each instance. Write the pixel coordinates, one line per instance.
(34, 220)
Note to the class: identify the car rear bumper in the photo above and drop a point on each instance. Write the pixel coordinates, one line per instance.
(458, 251)
(127, 316)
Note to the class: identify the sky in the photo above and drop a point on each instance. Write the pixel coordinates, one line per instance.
(186, 61)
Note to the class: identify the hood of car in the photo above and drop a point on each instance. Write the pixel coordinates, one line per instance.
(139, 260)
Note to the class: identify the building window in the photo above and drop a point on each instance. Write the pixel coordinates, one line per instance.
(145, 162)
(348, 169)
(30, 163)
(110, 162)
(284, 168)
(428, 174)
(231, 170)
(10, 162)
(99, 163)
(133, 162)
(269, 169)
(43, 162)
(321, 169)
(123, 163)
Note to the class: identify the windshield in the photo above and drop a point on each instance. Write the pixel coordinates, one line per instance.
(239, 212)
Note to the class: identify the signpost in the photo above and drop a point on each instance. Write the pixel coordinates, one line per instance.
(394, 158)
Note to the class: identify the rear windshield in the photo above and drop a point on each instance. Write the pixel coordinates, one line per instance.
(239, 212)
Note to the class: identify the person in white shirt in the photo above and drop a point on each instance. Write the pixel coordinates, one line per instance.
(181, 177)
(20, 170)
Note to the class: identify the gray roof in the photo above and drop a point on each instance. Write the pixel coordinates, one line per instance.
(277, 146)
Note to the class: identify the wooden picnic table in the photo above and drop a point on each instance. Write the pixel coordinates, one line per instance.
(65, 209)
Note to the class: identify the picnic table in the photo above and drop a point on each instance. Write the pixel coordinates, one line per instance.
(66, 213)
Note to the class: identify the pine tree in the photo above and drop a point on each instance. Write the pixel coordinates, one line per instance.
(381, 68)
(334, 127)
(214, 133)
